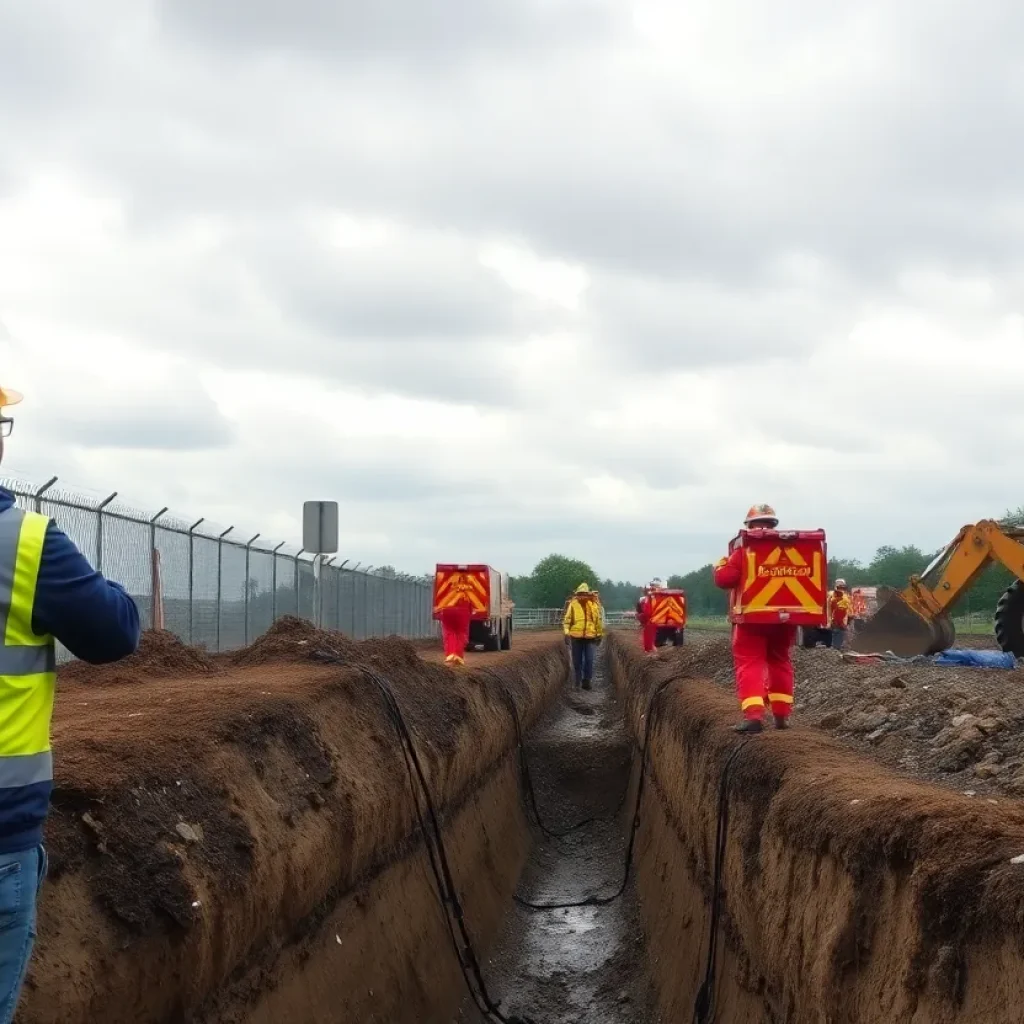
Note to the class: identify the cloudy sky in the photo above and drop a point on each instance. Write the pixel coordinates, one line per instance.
(512, 276)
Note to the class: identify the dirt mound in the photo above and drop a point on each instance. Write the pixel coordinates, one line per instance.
(961, 727)
(294, 639)
(847, 892)
(160, 653)
(199, 831)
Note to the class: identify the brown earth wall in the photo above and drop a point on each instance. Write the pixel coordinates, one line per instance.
(233, 841)
(849, 894)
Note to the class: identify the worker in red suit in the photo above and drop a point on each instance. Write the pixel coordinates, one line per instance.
(455, 619)
(644, 610)
(761, 652)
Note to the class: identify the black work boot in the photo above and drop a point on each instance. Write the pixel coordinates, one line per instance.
(781, 723)
(586, 684)
(749, 726)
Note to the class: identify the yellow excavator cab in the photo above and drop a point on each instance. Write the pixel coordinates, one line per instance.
(916, 620)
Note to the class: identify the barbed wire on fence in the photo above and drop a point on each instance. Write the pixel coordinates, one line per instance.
(219, 590)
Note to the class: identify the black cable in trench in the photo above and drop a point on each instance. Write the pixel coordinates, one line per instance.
(527, 777)
(601, 901)
(704, 1005)
(426, 815)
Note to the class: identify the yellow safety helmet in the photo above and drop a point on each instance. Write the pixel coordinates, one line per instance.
(8, 396)
(583, 588)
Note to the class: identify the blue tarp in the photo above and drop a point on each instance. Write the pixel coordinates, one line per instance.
(976, 659)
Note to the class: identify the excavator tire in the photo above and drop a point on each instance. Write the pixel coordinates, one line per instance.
(1010, 620)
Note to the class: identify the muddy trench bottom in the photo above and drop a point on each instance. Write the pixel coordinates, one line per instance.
(584, 964)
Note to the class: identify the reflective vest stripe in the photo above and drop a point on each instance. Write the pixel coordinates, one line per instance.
(25, 769)
(27, 661)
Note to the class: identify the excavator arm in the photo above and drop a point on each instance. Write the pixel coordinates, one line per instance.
(916, 620)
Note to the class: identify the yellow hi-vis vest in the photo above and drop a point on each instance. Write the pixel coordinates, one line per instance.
(582, 620)
(28, 674)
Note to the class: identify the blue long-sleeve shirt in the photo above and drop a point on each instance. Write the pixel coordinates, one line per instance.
(97, 620)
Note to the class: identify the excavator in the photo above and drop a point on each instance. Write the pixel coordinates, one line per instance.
(916, 620)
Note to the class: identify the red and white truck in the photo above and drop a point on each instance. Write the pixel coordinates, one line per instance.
(486, 591)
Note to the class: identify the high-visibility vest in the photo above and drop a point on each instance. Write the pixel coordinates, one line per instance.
(28, 672)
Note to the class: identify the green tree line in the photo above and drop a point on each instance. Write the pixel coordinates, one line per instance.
(556, 576)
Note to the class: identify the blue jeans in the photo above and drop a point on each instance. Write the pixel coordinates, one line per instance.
(21, 875)
(838, 637)
(584, 653)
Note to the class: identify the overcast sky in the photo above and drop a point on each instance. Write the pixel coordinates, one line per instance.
(505, 277)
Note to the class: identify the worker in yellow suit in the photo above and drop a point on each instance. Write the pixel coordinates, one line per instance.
(839, 609)
(583, 624)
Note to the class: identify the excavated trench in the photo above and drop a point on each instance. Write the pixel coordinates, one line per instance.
(235, 840)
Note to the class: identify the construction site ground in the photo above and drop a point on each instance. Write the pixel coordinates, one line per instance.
(958, 727)
(234, 838)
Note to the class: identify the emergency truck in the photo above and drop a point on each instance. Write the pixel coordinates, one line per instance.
(490, 624)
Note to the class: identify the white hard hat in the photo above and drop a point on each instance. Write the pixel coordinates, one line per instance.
(840, 583)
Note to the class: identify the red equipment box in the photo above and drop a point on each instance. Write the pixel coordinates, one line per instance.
(668, 608)
(456, 583)
(785, 578)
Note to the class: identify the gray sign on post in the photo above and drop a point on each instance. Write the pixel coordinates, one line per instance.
(320, 527)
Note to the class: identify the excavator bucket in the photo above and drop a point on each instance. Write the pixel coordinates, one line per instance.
(896, 627)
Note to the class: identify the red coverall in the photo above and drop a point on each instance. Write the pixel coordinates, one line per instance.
(455, 630)
(760, 654)
(649, 629)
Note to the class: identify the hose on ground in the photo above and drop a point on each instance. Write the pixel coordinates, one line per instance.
(704, 1005)
(430, 827)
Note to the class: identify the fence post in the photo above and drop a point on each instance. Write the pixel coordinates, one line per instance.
(337, 610)
(38, 496)
(245, 590)
(154, 596)
(220, 572)
(298, 580)
(324, 566)
(273, 583)
(99, 530)
(192, 572)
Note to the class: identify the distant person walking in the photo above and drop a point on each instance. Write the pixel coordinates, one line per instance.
(47, 590)
(583, 624)
(455, 621)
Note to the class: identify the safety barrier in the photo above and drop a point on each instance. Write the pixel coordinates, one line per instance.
(219, 592)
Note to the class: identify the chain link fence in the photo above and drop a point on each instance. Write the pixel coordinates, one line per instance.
(218, 591)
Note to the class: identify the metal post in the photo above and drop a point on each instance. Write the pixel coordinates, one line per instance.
(220, 572)
(192, 572)
(323, 577)
(153, 597)
(273, 583)
(245, 590)
(38, 496)
(298, 580)
(99, 530)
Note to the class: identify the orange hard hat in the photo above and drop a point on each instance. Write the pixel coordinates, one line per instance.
(8, 396)
(761, 513)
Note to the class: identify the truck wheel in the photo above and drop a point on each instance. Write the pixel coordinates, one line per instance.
(678, 638)
(493, 641)
(1010, 620)
(808, 637)
(506, 640)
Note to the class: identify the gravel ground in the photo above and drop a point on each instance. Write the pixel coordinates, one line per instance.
(959, 727)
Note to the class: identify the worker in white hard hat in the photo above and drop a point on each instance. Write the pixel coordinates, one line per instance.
(761, 652)
(48, 591)
(839, 608)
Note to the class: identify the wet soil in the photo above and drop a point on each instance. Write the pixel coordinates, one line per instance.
(582, 964)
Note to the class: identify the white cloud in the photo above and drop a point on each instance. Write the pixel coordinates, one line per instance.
(509, 277)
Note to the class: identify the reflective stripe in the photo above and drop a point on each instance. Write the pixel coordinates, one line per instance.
(22, 653)
(752, 702)
(26, 769)
(780, 698)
